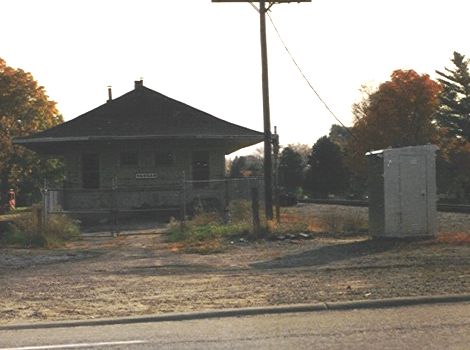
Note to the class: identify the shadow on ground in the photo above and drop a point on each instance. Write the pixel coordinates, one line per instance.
(329, 254)
(167, 270)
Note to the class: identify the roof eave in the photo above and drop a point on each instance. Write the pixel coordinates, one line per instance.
(25, 141)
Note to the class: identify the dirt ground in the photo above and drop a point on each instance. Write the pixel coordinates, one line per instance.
(105, 276)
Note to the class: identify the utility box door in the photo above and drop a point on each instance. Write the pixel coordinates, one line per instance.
(402, 192)
(413, 197)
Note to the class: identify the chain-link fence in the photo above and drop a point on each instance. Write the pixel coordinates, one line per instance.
(161, 200)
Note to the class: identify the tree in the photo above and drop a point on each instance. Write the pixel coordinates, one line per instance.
(303, 150)
(399, 113)
(237, 166)
(454, 110)
(340, 135)
(453, 120)
(250, 165)
(326, 173)
(290, 169)
(453, 167)
(24, 110)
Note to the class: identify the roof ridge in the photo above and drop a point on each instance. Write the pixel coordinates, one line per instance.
(144, 111)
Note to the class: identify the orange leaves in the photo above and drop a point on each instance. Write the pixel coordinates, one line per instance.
(24, 109)
(399, 113)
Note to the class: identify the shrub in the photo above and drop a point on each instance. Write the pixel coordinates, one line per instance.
(240, 211)
(59, 229)
(27, 239)
(26, 231)
(177, 232)
(205, 232)
(203, 227)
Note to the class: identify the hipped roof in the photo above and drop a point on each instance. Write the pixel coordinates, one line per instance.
(144, 114)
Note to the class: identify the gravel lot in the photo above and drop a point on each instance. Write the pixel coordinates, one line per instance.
(141, 274)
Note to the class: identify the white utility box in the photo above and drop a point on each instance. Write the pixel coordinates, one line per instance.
(402, 192)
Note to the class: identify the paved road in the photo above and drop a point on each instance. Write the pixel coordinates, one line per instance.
(440, 326)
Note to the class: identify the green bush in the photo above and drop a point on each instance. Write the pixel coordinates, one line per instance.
(26, 231)
(204, 227)
(17, 237)
(61, 228)
(240, 211)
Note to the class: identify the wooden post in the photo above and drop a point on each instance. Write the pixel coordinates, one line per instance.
(114, 209)
(255, 209)
(44, 206)
(37, 210)
(226, 201)
(183, 200)
(276, 175)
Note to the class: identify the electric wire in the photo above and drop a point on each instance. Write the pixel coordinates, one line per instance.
(305, 77)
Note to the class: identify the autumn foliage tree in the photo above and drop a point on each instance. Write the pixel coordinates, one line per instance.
(399, 113)
(24, 109)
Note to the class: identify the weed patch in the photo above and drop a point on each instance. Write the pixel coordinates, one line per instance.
(26, 231)
(342, 222)
(286, 227)
(206, 233)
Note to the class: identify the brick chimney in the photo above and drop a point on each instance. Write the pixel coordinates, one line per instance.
(138, 84)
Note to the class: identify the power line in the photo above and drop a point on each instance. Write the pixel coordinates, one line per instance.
(306, 79)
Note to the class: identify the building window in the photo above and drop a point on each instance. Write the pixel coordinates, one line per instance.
(91, 170)
(163, 158)
(129, 159)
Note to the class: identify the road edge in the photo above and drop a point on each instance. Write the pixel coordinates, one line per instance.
(250, 311)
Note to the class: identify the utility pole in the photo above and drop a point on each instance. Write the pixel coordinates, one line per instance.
(276, 174)
(268, 167)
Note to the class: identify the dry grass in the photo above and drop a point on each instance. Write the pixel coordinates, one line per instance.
(454, 238)
(138, 275)
(290, 223)
(342, 222)
(333, 221)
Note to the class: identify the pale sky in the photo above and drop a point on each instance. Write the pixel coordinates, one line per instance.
(208, 54)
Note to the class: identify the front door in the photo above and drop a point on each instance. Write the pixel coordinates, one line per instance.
(91, 170)
(413, 199)
(200, 168)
